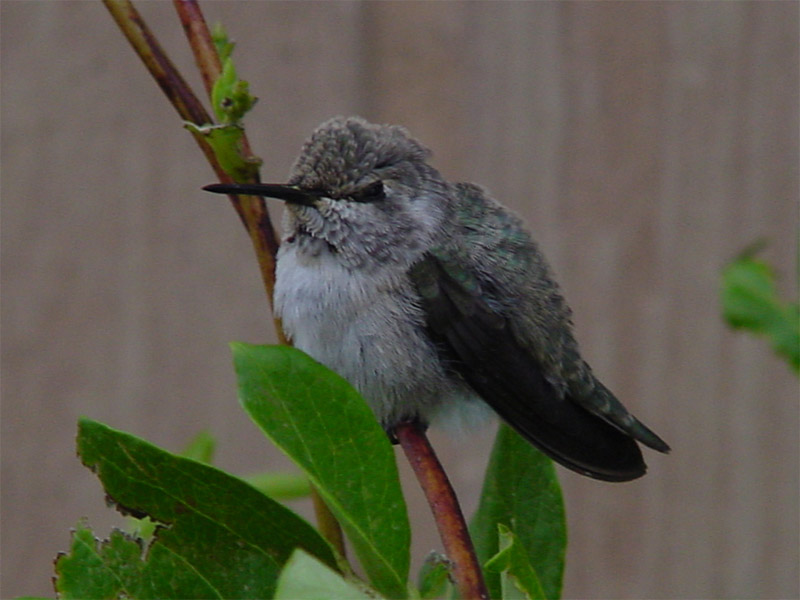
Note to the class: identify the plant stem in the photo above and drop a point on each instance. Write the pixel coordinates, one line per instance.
(252, 210)
(447, 513)
(328, 525)
(205, 53)
(168, 78)
(265, 243)
(157, 62)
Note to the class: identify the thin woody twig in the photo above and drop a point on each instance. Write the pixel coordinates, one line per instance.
(447, 513)
(166, 75)
(205, 52)
(252, 211)
(266, 246)
(157, 62)
(327, 524)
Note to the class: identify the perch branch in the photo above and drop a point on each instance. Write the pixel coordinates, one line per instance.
(466, 570)
(200, 41)
(251, 210)
(257, 220)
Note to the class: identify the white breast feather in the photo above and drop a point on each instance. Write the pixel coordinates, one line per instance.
(354, 324)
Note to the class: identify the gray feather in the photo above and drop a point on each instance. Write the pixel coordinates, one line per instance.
(430, 296)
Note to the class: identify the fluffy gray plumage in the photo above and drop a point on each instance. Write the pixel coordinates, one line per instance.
(429, 296)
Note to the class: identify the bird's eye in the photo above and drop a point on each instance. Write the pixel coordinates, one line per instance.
(370, 193)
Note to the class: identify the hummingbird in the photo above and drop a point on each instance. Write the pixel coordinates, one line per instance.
(432, 299)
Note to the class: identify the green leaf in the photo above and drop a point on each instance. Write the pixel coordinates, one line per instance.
(89, 571)
(305, 577)
(521, 491)
(226, 141)
(280, 486)
(201, 448)
(433, 576)
(749, 294)
(230, 96)
(115, 569)
(750, 301)
(223, 538)
(221, 41)
(518, 579)
(324, 425)
(786, 336)
(230, 101)
(222, 91)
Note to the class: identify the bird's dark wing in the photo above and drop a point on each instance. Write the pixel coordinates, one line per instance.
(477, 343)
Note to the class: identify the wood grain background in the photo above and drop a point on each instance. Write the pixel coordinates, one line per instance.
(644, 143)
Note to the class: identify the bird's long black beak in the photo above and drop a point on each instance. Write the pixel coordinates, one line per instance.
(288, 193)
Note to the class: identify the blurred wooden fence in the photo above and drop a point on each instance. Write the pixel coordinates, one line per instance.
(645, 144)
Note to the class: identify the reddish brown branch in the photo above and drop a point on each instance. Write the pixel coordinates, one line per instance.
(157, 62)
(205, 52)
(251, 210)
(447, 513)
(255, 216)
(167, 76)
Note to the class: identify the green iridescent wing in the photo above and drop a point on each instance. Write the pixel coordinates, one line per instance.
(476, 341)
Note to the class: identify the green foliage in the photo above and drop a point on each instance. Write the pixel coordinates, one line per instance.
(202, 533)
(305, 577)
(201, 448)
(433, 576)
(280, 486)
(216, 536)
(750, 301)
(230, 101)
(230, 96)
(322, 423)
(222, 538)
(521, 493)
(222, 42)
(517, 577)
(108, 570)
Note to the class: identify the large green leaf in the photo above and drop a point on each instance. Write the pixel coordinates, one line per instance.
(434, 577)
(325, 426)
(750, 301)
(201, 448)
(517, 577)
(280, 486)
(222, 538)
(116, 568)
(521, 491)
(305, 577)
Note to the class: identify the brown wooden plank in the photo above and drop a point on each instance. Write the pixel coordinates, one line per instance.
(645, 143)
